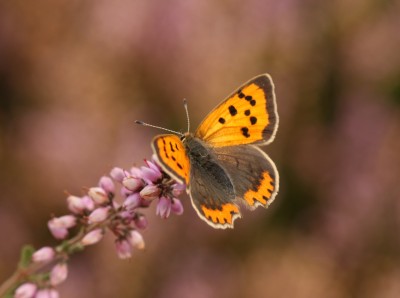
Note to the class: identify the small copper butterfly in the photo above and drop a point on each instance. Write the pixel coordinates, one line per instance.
(221, 163)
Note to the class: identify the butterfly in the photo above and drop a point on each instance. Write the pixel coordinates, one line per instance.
(221, 163)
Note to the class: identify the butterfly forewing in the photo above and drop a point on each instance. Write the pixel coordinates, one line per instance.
(172, 157)
(248, 116)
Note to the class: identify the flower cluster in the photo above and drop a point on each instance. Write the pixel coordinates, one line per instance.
(98, 211)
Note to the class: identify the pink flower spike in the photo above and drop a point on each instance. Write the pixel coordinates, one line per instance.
(132, 202)
(88, 202)
(98, 195)
(107, 184)
(47, 293)
(43, 255)
(141, 222)
(26, 290)
(58, 274)
(117, 174)
(124, 249)
(150, 192)
(132, 183)
(92, 237)
(136, 239)
(176, 206)
(75, 204)
(98, 215)
(150, 175)
(164, 207)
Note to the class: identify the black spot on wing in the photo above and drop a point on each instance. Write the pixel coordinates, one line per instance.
(245, 132)
(232, 110)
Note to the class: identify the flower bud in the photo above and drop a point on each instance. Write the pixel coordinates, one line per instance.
(150, 192)
(164, 207)
(59, 226)
(124, 249)
(178, 189)
(58, 274)
(151, 175)
(132, 202)
(141, 222)
(98, 215)
(26, 290)
(88, 202)
(136, 239)
(47, 293)
(75, 204)
(98, 195)
(107, 184)
(92, 237)
(117, 174)
(132, 183)
(176, 206)
(43, 255)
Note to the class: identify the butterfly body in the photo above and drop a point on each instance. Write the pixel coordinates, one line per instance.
(221, 163)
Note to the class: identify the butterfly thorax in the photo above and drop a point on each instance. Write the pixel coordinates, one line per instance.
(202, 158)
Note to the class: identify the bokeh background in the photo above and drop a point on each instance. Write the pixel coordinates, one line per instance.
(74, 75)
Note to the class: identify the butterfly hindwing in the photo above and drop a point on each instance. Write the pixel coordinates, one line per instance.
(248, 116)
(211, 190)
(253, 174)
(172, 157)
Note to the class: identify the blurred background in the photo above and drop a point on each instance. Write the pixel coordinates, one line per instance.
(74, 75)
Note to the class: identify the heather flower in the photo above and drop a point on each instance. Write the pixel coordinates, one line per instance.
(47, 293)
(132, 183)
(124, 249)
(59, 226)
(136, 239)
(98, 195)
(132, 201)
(88, 202)
(107, 184)
(150, 192)
(117, 174)
(75, 204)
(151, 174)
(176, 206)
(141, 222)
(58, 274)
(43, 255)
(26, 290)
(164, 207)
(98, 215)
(94, 213)
(92, 237)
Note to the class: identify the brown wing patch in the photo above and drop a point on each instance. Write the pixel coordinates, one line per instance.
(172, 157)
(248, 116)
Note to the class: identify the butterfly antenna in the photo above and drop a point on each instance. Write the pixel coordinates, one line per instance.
(159, 127)
(187, 113)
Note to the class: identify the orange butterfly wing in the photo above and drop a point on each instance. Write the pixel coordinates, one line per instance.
(248, 116)
(172, 157)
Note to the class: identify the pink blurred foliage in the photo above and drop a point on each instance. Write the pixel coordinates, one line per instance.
(74, 76)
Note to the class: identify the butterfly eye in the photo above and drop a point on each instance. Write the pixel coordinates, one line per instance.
(182, 138)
